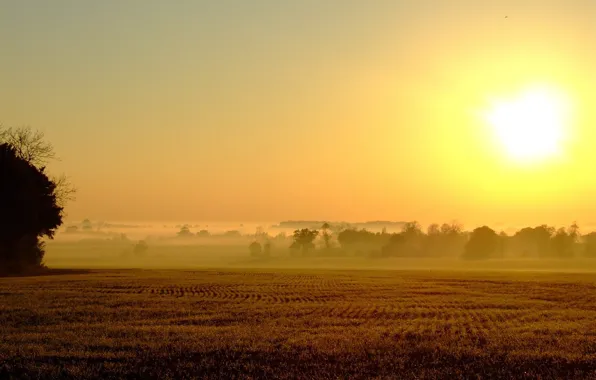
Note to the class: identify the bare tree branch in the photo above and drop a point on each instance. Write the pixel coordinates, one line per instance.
(65, 190)
(29, 144)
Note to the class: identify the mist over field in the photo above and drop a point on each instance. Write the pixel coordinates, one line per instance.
(205, 245)
(297, 189)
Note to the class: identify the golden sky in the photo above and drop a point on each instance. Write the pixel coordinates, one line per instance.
(268, 110)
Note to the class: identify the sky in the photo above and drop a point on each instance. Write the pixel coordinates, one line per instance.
(328, 110)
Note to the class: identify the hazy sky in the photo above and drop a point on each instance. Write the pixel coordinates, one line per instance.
(310, 109)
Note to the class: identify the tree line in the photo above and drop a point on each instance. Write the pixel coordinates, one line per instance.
(446, 240)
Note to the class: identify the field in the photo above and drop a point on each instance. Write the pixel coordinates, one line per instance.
(298, 324)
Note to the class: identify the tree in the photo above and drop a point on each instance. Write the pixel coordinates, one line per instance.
(565, 240)
(433, 230)
(409, 242)
(362, 241)
(574, 236)
(452, 229)
(445, 240)
(326, 235)
(535, 242)
(303, 240)
(184, 231)
(559, 242)
(255, 249)
(453, 238)
(394, 246)
(483, 244)
(433, 242)
(412, 229)
(590, 245)
(30, 211)
(31, 146)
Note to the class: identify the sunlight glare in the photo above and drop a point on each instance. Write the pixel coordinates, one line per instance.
(531, 126)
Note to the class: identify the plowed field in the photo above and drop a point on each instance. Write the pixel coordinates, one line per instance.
(298, 324)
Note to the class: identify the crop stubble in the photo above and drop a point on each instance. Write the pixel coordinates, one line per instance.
(218, 323)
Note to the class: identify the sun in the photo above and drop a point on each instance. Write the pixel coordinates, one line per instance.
(531, 126)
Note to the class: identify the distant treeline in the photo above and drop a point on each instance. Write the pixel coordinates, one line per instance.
(446, 240)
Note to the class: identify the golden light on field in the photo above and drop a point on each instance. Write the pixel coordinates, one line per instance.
(532, 125)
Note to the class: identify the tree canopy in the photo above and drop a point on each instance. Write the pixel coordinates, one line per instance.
(483, 244)
(30, 211)
(32, 202)
(303, 240)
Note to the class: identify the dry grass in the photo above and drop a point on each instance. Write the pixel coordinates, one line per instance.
(291, 324)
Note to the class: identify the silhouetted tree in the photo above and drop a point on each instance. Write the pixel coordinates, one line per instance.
(433, 229)
(31, 146)
(575, 236)
(444, 240)
(362, 241)
(255, 249)
(560, 242)
(533, 242)
(412, 229)
(394, 246)
(267, 249)
(452, 229)
(326, 235)
(408, 243)
(203, 233)
(348, 237)
(483, 244)
(303, 240)
(564, 241)
(434, 239)
(28, 144)
(454, 238)
(590, 245)
(29, 211)
(184, 231)
(413, 238)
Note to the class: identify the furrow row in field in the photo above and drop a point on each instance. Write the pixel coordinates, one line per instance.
(234, 295)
